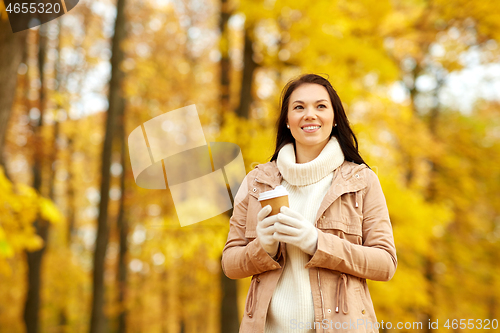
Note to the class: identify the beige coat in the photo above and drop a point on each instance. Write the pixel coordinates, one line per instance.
(355, 243)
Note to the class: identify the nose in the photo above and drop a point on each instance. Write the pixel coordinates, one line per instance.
(310, 113)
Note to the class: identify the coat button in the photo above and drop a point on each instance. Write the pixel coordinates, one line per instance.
(363, 311)
(357, 176)
(254, 189)
(329, 310)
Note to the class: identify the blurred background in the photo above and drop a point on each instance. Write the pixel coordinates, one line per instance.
(84, 249)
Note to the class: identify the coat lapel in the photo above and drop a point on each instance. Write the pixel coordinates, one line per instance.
(343, 182)
(269, 174)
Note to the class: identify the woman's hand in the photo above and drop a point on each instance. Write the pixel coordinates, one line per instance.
(265, 230)
(294, 229)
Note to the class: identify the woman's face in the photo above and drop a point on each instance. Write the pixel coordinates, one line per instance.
(310, 105)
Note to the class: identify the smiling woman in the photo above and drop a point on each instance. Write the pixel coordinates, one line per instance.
(310, 261)
(311, 100)
(310, 120)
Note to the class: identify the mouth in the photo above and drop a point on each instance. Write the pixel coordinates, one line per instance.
(310, 129)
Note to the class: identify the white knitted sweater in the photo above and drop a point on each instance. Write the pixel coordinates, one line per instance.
(291, 305)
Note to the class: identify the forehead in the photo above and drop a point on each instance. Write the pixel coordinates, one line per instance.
(309, 93)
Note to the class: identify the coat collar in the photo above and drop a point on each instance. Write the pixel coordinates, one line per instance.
(345, 179)
(269, 173)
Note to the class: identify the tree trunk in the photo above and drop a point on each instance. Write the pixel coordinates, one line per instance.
(229, 319)
(410, 160)
(250, 65)
(57, 129)
(53, 158)
(38, 153)
(116, 102)
(430, 191)
(34, 259)
(11, 51)
(122, 226)
(225, 64)
(70, 192)
(229, 306)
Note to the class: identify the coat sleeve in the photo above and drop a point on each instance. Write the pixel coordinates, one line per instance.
(240, 257)
(376, 258)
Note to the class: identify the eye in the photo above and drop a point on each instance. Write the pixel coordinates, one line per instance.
(298, 106)
(323, 105)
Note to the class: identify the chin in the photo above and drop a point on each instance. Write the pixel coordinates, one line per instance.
(313, 142)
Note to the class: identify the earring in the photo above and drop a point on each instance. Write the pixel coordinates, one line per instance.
(289, 126)
(335, 125)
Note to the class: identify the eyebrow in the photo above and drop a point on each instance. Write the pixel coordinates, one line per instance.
(319, 100)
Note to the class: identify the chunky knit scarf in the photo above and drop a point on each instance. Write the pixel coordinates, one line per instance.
(330, 158)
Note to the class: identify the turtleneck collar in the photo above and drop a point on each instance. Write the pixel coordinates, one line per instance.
(330, 158)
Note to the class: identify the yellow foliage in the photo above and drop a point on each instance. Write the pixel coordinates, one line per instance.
(49, 211)
(5, 249)
(21, 207)
(447, 247)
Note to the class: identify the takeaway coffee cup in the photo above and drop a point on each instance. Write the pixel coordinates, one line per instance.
(276, 198)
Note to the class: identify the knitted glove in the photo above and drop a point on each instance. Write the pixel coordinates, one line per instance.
(265, 230)
(294, 229)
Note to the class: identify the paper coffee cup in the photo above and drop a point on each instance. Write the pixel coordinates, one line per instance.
(276, 198)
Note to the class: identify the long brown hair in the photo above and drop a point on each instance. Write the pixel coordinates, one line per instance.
(343, 132)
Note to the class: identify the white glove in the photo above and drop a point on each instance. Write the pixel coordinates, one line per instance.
(294, 229)
(265, 231)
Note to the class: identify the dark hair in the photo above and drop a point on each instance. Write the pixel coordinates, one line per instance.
(343, 132)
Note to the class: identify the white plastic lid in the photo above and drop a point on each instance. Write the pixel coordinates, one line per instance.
(279, 191)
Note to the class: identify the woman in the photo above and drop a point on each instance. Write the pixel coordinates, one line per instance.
(310, 262)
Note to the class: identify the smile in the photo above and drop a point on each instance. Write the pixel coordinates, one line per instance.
(311, 129)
